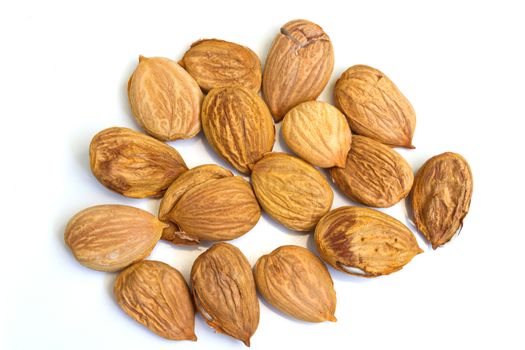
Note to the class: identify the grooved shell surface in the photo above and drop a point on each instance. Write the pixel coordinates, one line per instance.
(224, 291)
(298, 66)
(238, 125)
(374, 174)
(364, 242)
(318, 133)
(221, 209)
(291, 191)
(111, 237)
(165, 99)
(441, 197)
(191, 178)
(296, 282)
(375, 107)
(134, 164)
(216, 63)
(157, 296)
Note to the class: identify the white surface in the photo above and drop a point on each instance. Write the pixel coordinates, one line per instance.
(63, 71)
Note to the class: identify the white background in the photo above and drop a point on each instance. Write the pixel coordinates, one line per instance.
(63, 72)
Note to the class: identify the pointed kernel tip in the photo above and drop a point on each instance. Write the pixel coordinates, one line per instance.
(331, 318)
(189, 335)
(141, 58)
(341, 163)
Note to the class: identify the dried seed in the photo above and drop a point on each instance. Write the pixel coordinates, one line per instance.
(298, 66)
(238, 125)
(156, 295)
(165, 99)
(375, 107)
(224, 291)
(318, 133)
(364, 242)
(291, 191)
(134, 164)
(111, 237)
(220, 209)
(177, 189)
(441, 197)
(296, 282)
(216, 63)
(374, 174)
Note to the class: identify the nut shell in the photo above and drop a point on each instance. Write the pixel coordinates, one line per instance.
(298, 66)
(216, 63)
(214, 210)
(224, 291)
(374, 174)
(111, 237)
(296, 282)
(375, 107)
(441, 197)
(318, 133)
(291, 191)
(165, 99)
(364, 242)
(238, 125)
(133, 164)
(157, 296)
